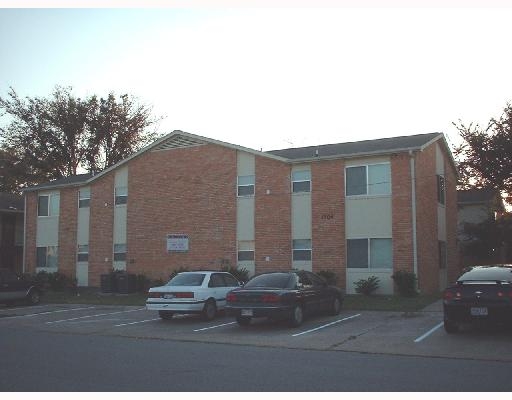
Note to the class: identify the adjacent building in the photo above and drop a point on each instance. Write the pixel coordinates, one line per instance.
(11, 231)
(357, 209)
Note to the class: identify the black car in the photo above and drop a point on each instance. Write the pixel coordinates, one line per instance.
(14, 287)
(481, 294)
(283, 295)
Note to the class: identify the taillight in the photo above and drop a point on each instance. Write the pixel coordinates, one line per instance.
(154, 295)
(451, 294)
(270, 298)
(231, 297)
(184, 295)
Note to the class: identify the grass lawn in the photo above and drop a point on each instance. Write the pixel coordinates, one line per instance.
(352, 302)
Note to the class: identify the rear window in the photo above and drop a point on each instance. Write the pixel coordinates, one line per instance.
(187, 279)
(487, 274)
(275, 280)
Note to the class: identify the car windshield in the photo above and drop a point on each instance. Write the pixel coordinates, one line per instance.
(273, 280)
(187, 279)
(487, 274)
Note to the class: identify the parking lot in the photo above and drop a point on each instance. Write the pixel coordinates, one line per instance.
(418, 333)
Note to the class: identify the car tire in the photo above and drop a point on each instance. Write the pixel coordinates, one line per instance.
(243, 321)
(335, 306)
(33, 297)
(450, 327)
(165, 314)
(297, 316)
(209, 310)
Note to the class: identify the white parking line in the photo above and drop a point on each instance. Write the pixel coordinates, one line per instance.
(326, 325)
(138, 322)
(435, 328)
(213, 327)
(22, 308)
(96, 315)
(47, 312)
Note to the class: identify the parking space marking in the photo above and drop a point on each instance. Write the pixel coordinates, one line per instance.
(138, 322)
(213, 327)
(96, 315)
(47, 312)
(23, 308)
(435, 328)
(326, 325)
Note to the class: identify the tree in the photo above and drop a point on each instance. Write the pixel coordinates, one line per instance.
(485, 156)
(55, 137)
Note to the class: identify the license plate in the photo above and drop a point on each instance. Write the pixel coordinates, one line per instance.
(479, 311)
(246, 313)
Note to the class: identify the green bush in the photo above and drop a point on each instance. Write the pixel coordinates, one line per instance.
(330, 277)
(177, 271)
(55, 281)
(367, 286)
(405, 282)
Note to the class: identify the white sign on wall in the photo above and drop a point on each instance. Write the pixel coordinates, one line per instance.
(177, 243)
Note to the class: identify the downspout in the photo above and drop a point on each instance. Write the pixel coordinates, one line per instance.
(24, 232)
(413, 206)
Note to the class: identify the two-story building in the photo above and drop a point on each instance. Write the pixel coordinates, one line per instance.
(357, 209)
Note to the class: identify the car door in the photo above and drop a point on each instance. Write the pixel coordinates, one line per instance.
(322, 292)
(11, 287)
(308, 293)
(217, 289)
(230, 283)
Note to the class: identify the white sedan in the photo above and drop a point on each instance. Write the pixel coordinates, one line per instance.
(199, 292)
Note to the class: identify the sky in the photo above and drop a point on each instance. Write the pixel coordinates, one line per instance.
(275, 77)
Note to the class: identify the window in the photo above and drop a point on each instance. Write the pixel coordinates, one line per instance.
(246, 250)
(47, 257)
(301, 181)
(83, 253)
(121, 194)
(369, 253)
(302, 250)
(48, 205)
(246, 185)
(440, 189)
(230, 281)
(120, 252)
(442, 254)
(84, 198)
(368, 180)
(216, 281)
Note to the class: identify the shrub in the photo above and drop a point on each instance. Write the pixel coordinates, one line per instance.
(330, 277)
(367, 286)
(405, 282)
(143, 283)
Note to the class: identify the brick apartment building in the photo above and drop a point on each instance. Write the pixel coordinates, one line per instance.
(357, 209)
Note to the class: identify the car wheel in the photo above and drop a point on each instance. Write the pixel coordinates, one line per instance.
(297, 316)
(34, 297)
(209, 310)
(243, 321)
(335, 306)
(450, 327)
(165, 314)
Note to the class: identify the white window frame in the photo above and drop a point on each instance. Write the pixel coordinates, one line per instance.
(83, 249)
(441, 189)
(116, 251)
(253, 185)
(302, 249)
(120, 196)
(367, 194)
(300, 181)
(84, 196)
(369, 255)
(51, 199)
(47, 251)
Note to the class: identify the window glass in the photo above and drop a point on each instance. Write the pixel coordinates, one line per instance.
(229, 280)
(317, 281)
(379, 179)
(301, 249)
(83, 253)
(216, 281)
(246, 185)
(356, 181)
(52, 257)
(84, 198)
(120, 252)
(42, 206)
(301, 181)
(54, 204)
(304, 280)
(279, 280)
(246, 255)
(357, 253)
(121, 195)
(41, 257)
(187, 279)
(381, 253)
(440, 189)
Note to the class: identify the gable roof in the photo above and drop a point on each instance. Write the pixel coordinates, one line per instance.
(180, 139)
(10, 202)
(479, 196)
(364, 147)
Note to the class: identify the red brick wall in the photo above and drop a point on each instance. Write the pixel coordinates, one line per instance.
(401, 209)
(68, 215)
(100, 228)
(328, 217)
(30, 232)
(272, 219)
(426, 211)
(181, 191)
